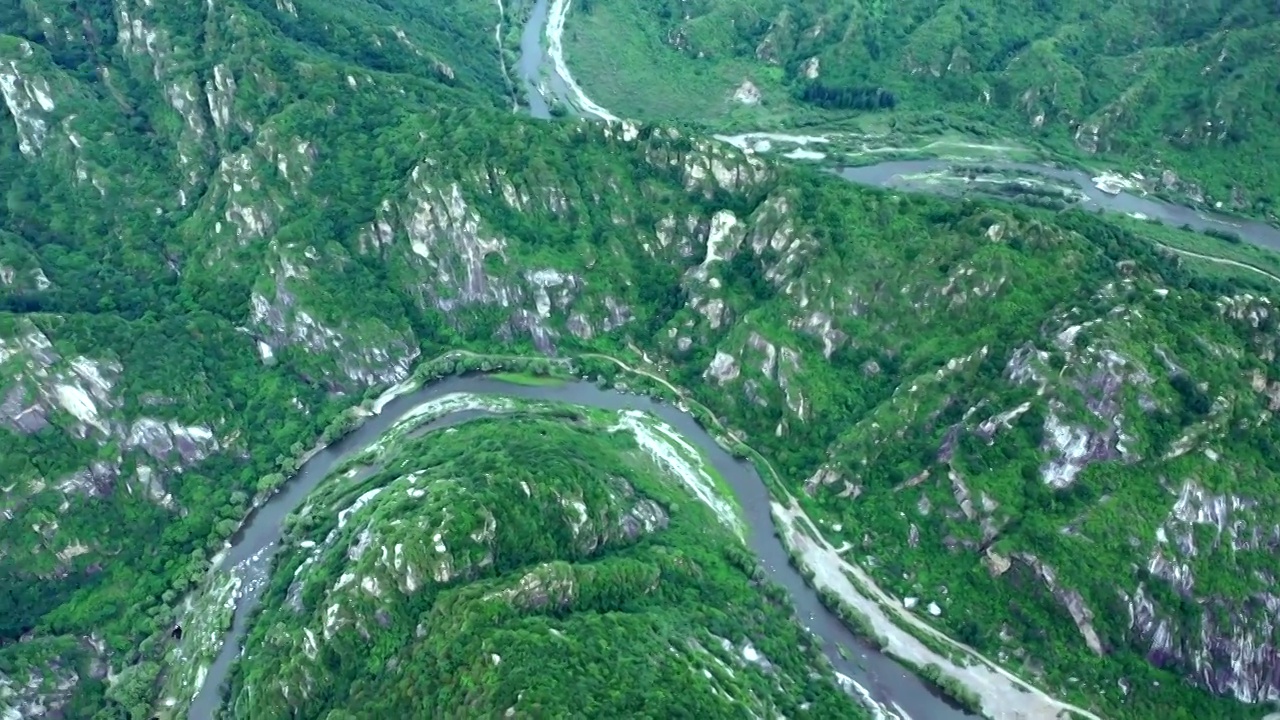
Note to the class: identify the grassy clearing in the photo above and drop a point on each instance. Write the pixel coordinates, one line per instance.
(528, 379)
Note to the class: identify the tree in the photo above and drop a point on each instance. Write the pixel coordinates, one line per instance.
(134, 689)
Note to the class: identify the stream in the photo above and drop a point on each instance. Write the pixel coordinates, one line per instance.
(257, 542)
(537, 67)
(532, 58)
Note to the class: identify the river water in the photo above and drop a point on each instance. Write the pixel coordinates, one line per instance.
(255, 545)
(898, 174)
(532, 58)
(535, 67)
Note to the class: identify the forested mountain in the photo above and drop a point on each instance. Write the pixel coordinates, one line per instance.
(1185, 92)
(596, 589)
(225, 222)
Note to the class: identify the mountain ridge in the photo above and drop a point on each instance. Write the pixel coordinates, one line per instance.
(320, 238)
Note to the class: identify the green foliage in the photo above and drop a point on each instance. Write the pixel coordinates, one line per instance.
(134, 689)
(359, 206)
(496, 593)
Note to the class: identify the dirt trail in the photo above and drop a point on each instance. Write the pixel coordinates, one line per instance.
(1220, 261)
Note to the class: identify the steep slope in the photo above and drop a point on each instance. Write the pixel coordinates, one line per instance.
(1185, 93)
(177, 332)
(138, 419)
(533, 565)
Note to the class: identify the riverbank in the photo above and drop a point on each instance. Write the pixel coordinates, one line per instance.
(930, 166)
(778, 517)
(431, 391)
(629, 57)
(998, 692)
(558, 15)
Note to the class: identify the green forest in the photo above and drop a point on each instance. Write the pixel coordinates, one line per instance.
(537, 563)
(225, 225)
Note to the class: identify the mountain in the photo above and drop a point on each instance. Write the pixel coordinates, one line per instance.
(226, 223)
(540, 565)
(1186, 94)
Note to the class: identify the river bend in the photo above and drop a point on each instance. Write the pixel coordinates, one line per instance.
(255, 545)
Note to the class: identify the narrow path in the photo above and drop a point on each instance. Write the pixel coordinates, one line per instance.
(502, 58)
(1220, 261)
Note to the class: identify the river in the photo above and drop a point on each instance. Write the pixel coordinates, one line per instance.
(547, 19)
(255, 545)
(541, 68)
(531, 60)
(899, 174)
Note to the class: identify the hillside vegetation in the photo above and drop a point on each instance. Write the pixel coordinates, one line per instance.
(224, 223)
(536, 566)
(1186, 93)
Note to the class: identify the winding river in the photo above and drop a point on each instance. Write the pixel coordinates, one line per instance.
(255, 545)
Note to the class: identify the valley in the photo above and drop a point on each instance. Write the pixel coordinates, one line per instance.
(1021, 448)
(1084, 83)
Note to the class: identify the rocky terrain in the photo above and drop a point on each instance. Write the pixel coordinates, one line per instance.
(1039, 425)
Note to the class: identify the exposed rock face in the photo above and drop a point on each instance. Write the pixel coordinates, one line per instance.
(1233, 653)
(444, 233)
(747, 94)
(279, 322)
(161, 440)
(46, 691)
(43, 383)
(723, 368)
(29, 100)
(1072, 600)
(47, 392)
